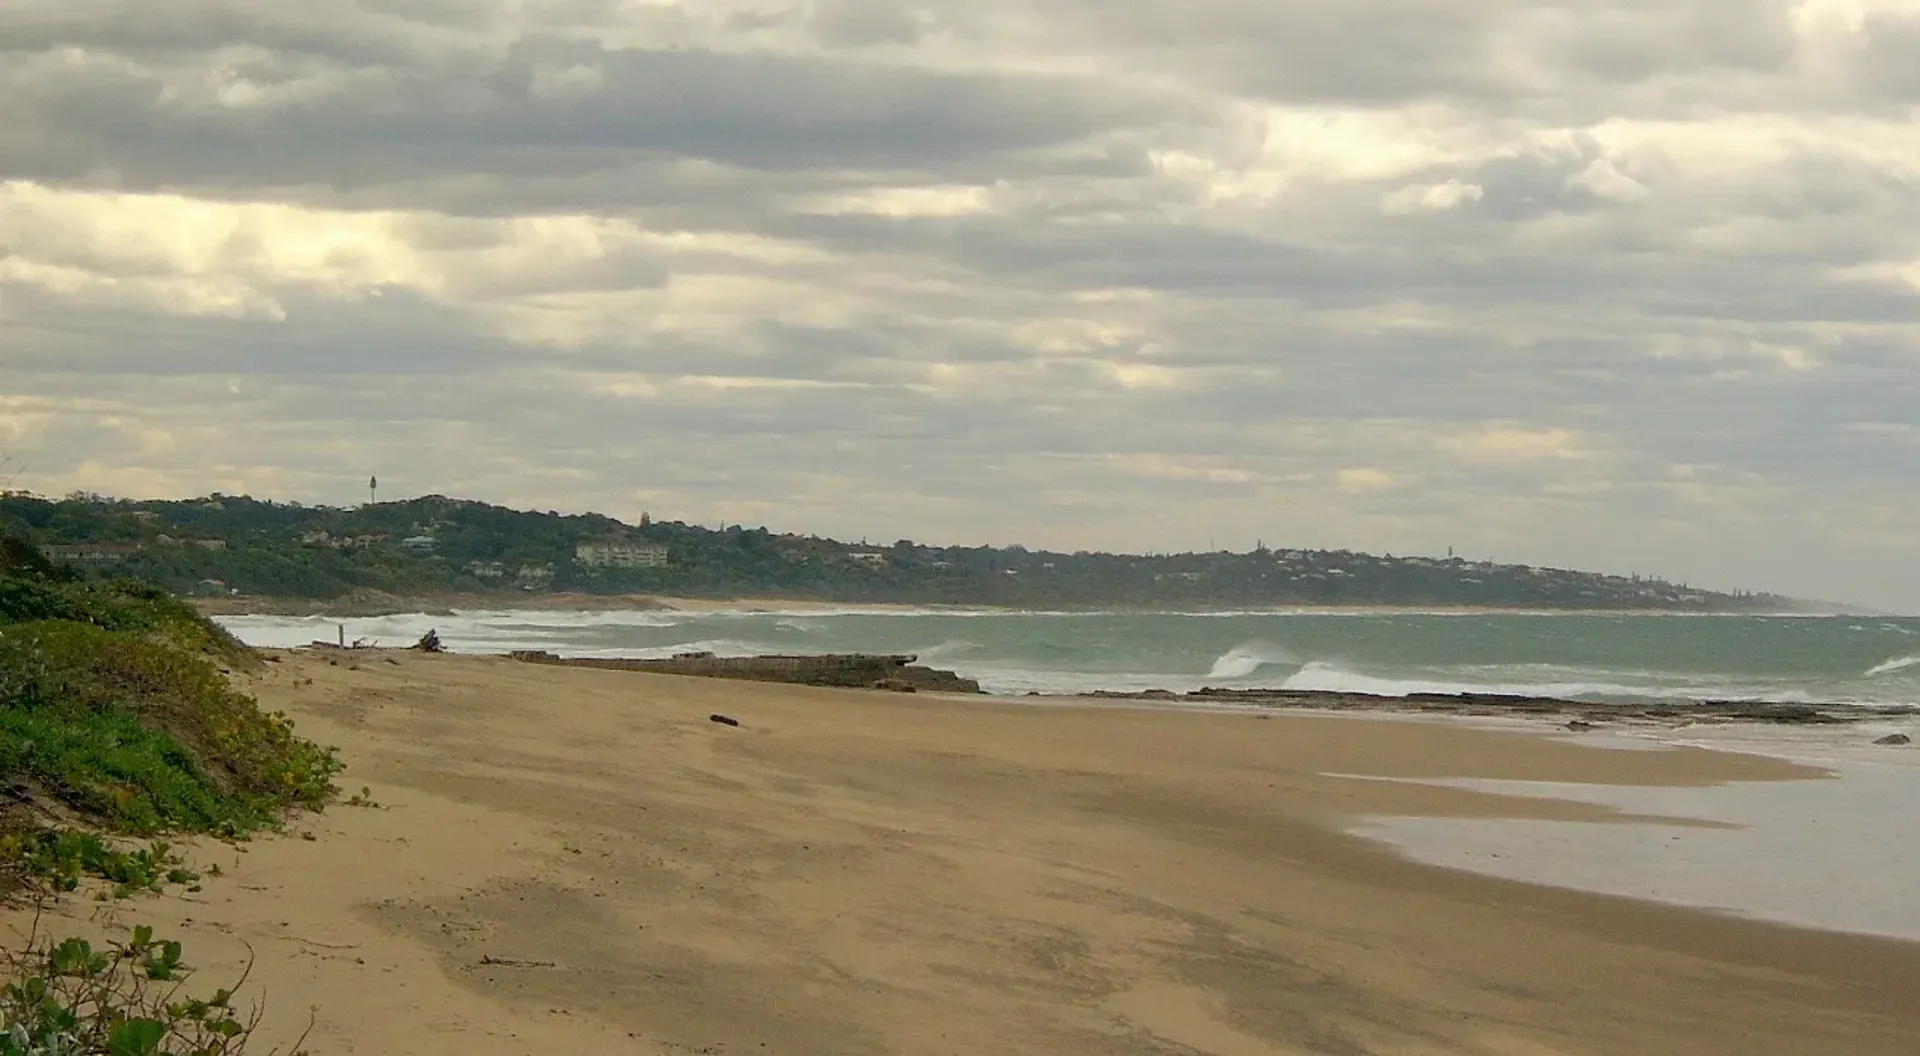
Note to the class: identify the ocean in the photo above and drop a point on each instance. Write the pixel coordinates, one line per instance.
(1603, 658)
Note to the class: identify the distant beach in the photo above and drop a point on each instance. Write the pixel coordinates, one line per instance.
(378, 604)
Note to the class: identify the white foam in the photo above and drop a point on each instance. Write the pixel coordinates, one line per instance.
(1888, 668)
(1325, 677)
(945, 650)
(1247, 659)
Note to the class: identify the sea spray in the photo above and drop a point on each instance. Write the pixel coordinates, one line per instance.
(1249, 659)
(948, 650)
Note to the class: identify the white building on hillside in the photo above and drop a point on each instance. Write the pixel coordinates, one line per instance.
(620, 555)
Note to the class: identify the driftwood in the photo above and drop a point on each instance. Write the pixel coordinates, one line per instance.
(514, 962)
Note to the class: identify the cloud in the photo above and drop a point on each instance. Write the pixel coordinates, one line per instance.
(1399, 275)
(1363, 479)
(1496, 443)
(1432, 197)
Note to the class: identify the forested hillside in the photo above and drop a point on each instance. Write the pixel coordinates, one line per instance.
(436, 545)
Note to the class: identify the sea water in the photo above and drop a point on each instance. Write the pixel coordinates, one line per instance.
(1823, 853)
(1626, 658)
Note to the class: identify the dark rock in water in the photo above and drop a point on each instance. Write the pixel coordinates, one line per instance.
(724, 720)
(535, 656)
(1895, 738)
(1578, 724)
(851, 670)
(1768, 711)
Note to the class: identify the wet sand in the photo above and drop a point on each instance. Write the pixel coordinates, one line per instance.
(852, 872)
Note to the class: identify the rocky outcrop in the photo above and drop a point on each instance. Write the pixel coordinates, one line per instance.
(850, 670)
(1579, 713)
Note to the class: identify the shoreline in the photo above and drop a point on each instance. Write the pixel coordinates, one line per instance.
(447, 604)
(374, 605)
(570, 859)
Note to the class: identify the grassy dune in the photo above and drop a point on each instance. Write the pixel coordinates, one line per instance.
(117, 719)
(118, 724)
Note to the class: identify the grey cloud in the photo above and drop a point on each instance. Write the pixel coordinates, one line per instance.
(1739, 313)
(1626, 43)
(867, 22)
(1566, 65)
(1889, 63)
(396, 335)
(356, 35)
(1526, 188)
(774, 112)
(1369, 52)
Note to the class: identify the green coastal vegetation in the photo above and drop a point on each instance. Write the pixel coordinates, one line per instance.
(119, 727)
(116, 710)
(437, 546)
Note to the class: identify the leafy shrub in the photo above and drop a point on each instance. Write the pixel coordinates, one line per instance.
(145, 736)
(60, 857)
(73, 999)
(120, 605)
(115, 707)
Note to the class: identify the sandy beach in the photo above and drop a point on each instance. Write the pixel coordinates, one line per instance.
(580, 861)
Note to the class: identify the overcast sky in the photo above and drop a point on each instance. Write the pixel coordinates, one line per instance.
(1631, 285)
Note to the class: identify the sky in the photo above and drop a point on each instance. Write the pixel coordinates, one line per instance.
(1623, 285)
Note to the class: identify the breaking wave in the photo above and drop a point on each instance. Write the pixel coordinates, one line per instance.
(1891, 666)
(1328, 678)
(1249, 659)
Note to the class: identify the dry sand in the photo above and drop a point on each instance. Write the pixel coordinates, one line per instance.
(851, 873)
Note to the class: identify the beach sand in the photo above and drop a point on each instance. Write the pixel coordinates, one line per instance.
(849, 873)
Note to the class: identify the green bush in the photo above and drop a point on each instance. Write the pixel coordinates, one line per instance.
(115, 708)
(128, 606)
(145, 736)
(124, 999)
(62, 856)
